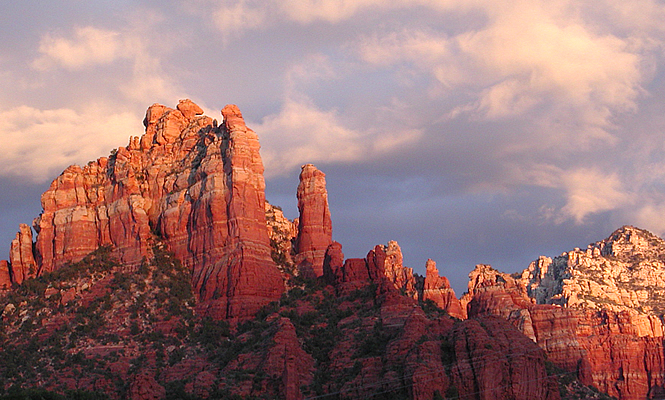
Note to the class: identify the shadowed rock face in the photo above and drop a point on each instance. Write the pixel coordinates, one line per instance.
(197, 187)
(314, 226)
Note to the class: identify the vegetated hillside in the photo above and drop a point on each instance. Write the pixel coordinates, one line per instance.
(98, 326)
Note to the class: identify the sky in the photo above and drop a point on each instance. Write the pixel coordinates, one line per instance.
(470, 131)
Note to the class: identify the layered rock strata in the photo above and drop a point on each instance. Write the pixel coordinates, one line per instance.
(314, 223)
(478, 358)
(196, 186)
(596, 312)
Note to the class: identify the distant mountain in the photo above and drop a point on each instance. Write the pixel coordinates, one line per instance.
(160, 272)
(597, 311)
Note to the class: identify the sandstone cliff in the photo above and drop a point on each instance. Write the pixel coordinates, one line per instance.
(196, 186)
(597, 312)
(133, 333)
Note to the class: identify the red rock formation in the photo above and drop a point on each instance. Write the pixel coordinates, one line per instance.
(315, 226)
(145, 387)
(332, 263)
(188, 109)
(359, 272)
(353, 274)
(5, 276)
(437, 288)
(198, 187)
(394, 269)
(496, 362)
(494, 293)
(253, 279)
(606, 349)
(287, 361)
(21, 258)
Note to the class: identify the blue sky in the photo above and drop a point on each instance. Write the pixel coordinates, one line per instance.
(469, 131)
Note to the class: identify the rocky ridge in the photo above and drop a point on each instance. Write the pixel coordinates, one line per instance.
(625, 272)
(596, 312)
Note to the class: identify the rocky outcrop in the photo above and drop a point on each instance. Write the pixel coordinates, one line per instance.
(282, 233)
(197, 187)
(145, 387)
(402, 277)
(625, 272)
(21, 257)
(595, 312)
(314, 224)
(287, 361)
(5, 275)
(494, 361)
(492, 292)
(240, 275)
(333, 263)
(437, 288)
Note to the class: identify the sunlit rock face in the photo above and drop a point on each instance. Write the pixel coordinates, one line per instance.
(437, 288)
(314, 223)
(195, 186)
(597, 311)
(21, 257)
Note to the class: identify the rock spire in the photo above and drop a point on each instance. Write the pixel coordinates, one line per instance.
(315, 226)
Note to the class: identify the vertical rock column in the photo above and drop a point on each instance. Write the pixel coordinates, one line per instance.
(253, 278)
(21, 258)
(315, 226)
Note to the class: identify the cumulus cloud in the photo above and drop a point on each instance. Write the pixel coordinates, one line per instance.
(591, 191)
(38, 144)
(144, 82)
(302, 133)
(234, 18)
(521, 59)
(88, 46)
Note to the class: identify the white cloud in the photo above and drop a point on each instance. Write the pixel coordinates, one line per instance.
(39, 144)
(89, 46)
(239, 16)
(587, 190)
(144, 82)
(524, 57)
(302, 133)
(592, 191)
